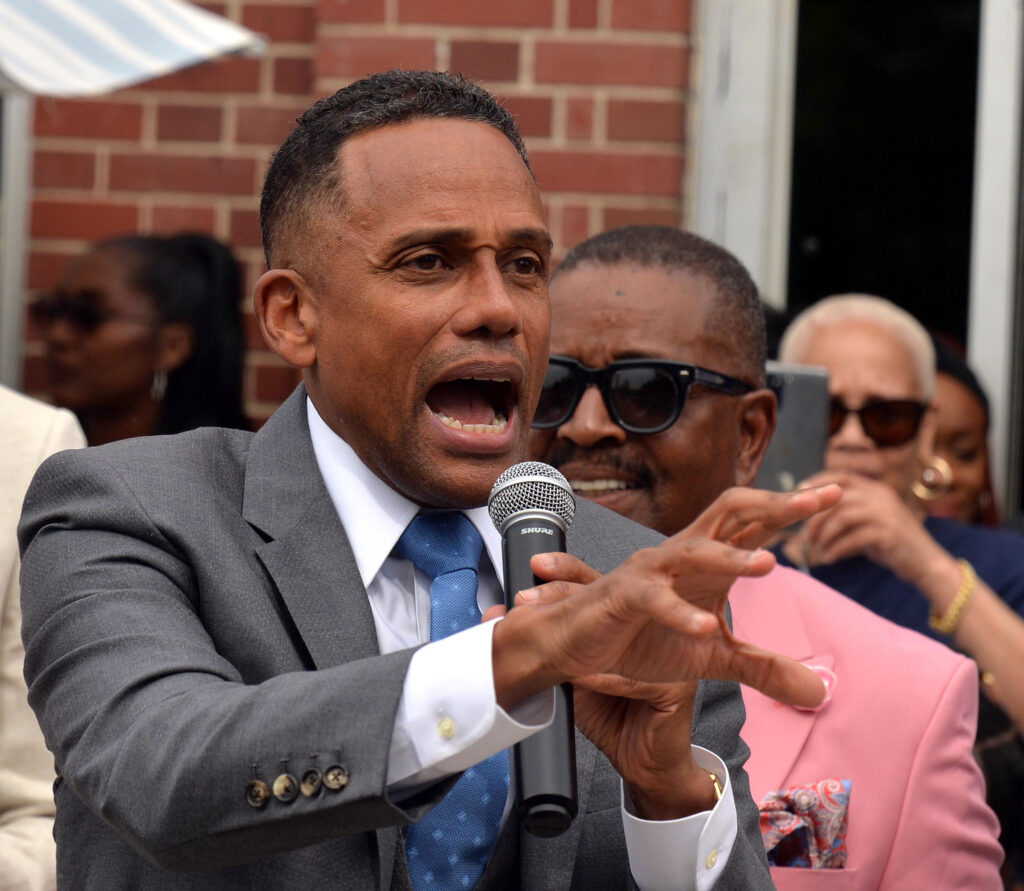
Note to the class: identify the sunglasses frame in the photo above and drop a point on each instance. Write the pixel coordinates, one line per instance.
(837, 404)
(681, 374)
(79, 312)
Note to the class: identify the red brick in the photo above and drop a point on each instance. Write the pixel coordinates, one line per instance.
(293, 77)
(45, 268)
(589, 63)
(216, 8)
(608, 172)
(280, 23)
(574, 225)
(359, 56)
(193, 123)
(350, 10)
(87, 118)
(168, 220)
(579, 123)
(259, 125)
(63, 170)
(82, 219)
(532, 114)
(274, 383)
(244, 229)
(177, 173)
(582, 13)
(651, 15)
(647, 121)
(477, 12)
(251, 331)
(485, 60)
(232, 75)
(642, 216)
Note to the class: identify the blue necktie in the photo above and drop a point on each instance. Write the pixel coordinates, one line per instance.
(449, 847)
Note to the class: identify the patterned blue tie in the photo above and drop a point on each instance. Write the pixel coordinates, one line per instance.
(449, 847)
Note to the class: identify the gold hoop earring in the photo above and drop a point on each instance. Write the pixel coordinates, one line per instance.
(936, 480)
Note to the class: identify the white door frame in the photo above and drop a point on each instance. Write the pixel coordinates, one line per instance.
(739, 182)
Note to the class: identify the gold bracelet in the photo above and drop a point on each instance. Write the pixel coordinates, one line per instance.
(947, 622)
(718, 786)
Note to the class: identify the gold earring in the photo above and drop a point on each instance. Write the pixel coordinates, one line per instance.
(936, 480)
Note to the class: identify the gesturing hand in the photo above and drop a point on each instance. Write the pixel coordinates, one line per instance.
(636, 641)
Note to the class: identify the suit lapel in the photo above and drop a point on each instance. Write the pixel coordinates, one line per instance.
(772, 619)
(306, 552)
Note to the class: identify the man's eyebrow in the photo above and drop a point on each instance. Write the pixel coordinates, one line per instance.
(537, 238)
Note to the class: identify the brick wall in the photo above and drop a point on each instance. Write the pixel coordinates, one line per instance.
(599, 88)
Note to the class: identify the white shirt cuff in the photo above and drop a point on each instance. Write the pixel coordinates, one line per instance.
(689, 853)
(448, 718)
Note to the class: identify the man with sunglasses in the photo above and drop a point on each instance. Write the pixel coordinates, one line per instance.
(653, 405)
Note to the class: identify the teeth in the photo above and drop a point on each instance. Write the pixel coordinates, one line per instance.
(491, 380)
(598, 485)
(500, 423)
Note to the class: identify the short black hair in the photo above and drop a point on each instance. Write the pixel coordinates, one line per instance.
(738, 313)
(303, 170)
(195, 279)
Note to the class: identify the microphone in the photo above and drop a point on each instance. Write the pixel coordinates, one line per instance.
(532, 505)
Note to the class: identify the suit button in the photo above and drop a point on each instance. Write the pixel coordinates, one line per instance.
(257, 794)
(285, 788)
(335, 777)
(311, 782)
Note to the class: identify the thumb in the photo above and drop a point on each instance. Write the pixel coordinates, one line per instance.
(778, 677)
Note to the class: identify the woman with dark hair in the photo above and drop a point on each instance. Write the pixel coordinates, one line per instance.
(961, 441)
(143, 335)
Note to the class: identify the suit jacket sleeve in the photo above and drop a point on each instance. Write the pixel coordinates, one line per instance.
(151, 725)
(945, 837)
(32, 431)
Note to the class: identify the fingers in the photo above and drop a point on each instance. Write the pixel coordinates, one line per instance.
(562, 567)
(493, 612)
(749, 518)
(778, 677)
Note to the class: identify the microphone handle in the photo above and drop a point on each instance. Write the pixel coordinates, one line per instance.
(545, 763)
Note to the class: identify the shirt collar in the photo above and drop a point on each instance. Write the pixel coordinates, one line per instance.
(373, 514)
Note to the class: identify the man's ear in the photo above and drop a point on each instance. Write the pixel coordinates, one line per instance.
(758, 413)
(286, 311)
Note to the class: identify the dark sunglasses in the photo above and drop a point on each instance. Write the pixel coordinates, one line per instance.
(641, 395)
(79, 311)
(888, 422)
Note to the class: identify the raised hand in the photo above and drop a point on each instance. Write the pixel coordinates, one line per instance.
(636, 640)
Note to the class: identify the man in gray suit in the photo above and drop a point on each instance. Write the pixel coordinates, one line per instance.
(223, 630)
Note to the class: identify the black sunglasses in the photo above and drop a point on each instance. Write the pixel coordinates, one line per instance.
(641, 395)
(79, 311)
(888, 422)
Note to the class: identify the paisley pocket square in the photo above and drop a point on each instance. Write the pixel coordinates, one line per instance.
(805, 826)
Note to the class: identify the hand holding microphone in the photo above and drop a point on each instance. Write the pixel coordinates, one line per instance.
(532, 505)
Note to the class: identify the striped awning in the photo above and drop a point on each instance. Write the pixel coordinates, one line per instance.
(85, 47)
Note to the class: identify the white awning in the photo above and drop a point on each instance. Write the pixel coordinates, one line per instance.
(85, 47)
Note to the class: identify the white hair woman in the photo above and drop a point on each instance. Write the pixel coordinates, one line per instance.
(960, 584)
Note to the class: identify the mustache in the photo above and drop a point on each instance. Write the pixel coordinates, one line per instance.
(563, 452)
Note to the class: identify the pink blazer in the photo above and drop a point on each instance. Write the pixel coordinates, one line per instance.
(900, 726)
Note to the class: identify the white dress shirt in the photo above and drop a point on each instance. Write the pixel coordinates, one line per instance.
(448, 718)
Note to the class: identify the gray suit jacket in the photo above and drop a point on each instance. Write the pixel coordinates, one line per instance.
(194, 621)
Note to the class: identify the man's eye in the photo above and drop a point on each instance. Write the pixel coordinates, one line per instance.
(426, 262)
(525, 265)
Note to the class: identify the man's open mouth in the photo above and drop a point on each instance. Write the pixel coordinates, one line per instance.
(479, 405)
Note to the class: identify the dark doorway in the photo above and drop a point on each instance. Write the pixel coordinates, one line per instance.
(883, 154)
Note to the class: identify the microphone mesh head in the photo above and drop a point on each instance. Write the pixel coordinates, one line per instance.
(529, 487)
